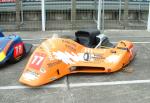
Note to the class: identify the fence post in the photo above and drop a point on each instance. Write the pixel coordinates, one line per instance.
(126, 3)
(120, 10)
(148, 23)
(43, 14)
(73, 12)
(103, 15)
(139, 13)
(99, 15)
(21, 12)
(18, 9)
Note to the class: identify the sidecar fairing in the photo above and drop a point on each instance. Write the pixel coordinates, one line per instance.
(58, 57)
(12, 49)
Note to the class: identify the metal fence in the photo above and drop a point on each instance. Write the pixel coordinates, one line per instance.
(7, 16)
(72, 14)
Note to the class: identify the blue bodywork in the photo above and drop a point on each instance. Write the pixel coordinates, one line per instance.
(9, 42)
(1, 34)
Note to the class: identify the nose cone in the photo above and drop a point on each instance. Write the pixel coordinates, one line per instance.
(36, 70)
(39, 70)
(30, 78)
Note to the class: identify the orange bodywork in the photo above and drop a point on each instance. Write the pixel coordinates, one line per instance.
(58, 57)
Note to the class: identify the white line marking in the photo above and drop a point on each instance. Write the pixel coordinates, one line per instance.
(75, 85)
(27, 87)
(109, 83)
(137, 42)
(36, 39)
(141, 42)
(35, 44)
(129, 36)
(112, 42)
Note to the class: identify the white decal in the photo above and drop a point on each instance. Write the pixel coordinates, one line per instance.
(50, 57)
(112, 59)
(42, 70)
(30, 76)
(68, 58)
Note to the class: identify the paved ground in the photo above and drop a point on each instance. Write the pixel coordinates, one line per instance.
(128, 86)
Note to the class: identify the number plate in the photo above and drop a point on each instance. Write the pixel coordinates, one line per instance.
(37, 60)
(18, 50)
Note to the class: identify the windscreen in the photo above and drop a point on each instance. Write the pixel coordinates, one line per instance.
(84, 40)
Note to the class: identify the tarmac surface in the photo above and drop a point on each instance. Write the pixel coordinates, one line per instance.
(130, 85)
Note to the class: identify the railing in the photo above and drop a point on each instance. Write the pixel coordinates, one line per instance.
(65, 5)
(58, 14)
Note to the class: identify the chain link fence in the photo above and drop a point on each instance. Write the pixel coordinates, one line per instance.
(7, 15)
(58, 14)
(31, 15)
(72, 14)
